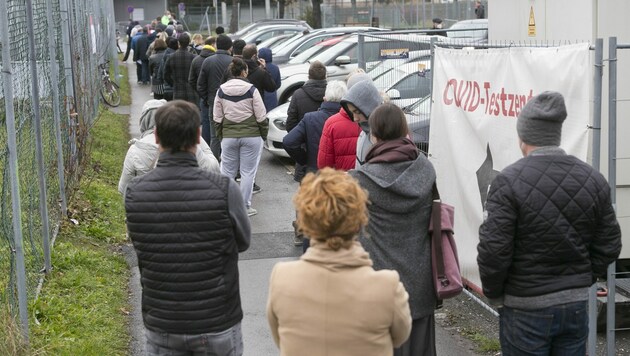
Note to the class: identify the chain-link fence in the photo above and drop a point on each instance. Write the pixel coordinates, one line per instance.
(49, 98)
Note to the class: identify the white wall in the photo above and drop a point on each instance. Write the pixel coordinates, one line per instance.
(560, 21)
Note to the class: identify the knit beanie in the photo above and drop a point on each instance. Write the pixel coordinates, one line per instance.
(540, 122)
(364, 96)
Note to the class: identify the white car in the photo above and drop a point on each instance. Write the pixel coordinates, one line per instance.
(277, 130)
(341, 59)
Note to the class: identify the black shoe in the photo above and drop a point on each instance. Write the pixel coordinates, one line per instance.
(256, 189)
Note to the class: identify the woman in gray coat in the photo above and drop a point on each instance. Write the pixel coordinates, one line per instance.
(399, 182)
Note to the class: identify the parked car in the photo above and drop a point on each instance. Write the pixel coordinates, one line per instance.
(405, 84)
(469, 32)
(267, 22)
(274, 42)
(277, 130)
(341, 58)
(267, 32)
(303, 41)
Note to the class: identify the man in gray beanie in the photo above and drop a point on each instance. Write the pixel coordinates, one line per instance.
(550, 231)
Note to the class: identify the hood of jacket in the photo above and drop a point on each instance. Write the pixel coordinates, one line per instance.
(265, 53)
(364, 96)
(251, 65)
(207, 51)
(147, 117)
(315, 89)
(236, 86)
(322, 255)
(399, 185)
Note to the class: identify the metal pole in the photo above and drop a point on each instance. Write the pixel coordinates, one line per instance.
(7, 80)
(360, 46)
(251, 12)
(39, 150)
(66, 32)
(612, 180)
(54, 78)
(597, 132)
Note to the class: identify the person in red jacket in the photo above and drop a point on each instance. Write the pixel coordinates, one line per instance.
(338, 143)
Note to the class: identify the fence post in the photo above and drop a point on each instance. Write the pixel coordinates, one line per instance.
(612, 180)
(54, 78)
(39, 150)
(18, 250)
(360, 47)
(68, 73)
(597, 133)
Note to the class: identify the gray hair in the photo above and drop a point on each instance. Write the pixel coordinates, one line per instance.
(335, 90)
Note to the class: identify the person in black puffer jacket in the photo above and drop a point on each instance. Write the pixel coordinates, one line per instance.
(550, 232)
(187, 227)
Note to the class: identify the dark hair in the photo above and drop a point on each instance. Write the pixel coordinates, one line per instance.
(317, 71)
(210, 41)
(237, 67)
(172, 43)
(388, 122)
(177, 125)
(224, 42)
(237, 47)
(159, 44)
(249, 51)
(184, 40)
(219, 30)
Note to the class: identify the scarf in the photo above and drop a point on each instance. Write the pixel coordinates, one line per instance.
(392, 151)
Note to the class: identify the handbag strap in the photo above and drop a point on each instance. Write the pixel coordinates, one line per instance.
(436, 215)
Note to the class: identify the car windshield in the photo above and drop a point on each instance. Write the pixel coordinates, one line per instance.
(408, 85)
(422, 106)
(328, 56)
(286, 45)
(312, 52)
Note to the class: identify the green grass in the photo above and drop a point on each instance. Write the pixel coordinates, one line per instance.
(483, 343)
(82, 309)
(125, 93)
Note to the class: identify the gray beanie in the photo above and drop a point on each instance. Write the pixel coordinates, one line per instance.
(540, 121)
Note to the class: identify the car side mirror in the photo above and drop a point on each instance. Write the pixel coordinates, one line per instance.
(258, 40)
(342, 60)
(393, 94)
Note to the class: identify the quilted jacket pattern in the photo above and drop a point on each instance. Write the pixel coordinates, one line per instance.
(550, 227)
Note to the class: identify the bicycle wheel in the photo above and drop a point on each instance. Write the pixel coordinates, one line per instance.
(110, 94)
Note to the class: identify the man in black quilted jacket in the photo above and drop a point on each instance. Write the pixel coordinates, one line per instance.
(550, 232)
(187, 226)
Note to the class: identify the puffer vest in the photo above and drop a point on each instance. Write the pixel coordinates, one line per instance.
(178, 221)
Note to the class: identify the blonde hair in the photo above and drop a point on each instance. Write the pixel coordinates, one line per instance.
(331, 207)
(197, 39)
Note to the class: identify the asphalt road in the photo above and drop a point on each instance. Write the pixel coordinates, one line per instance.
(271, 243)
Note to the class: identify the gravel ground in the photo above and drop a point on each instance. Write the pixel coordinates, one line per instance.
(465, 316)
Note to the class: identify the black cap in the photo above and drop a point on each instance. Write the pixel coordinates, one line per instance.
(437, 20)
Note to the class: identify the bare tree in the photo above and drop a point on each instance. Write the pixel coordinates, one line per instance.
(317, 13)
(234, 17)
(281, 4)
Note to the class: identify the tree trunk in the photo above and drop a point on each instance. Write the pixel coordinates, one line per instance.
(317, 13)
(281, 9)
(234, 17)
(354, 10)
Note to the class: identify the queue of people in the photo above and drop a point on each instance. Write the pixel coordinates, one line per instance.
(364, 285)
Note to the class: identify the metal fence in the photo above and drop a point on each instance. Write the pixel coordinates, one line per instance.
(401, 67)
(49, 98)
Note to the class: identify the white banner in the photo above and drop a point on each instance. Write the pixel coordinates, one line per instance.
(477, 96)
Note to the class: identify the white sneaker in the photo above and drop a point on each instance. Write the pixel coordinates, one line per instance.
(251, 211)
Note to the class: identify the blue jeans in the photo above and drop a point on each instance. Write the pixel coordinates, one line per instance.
(558, 330)
(225, 343)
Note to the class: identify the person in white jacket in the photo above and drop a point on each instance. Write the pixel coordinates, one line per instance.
(143, 152)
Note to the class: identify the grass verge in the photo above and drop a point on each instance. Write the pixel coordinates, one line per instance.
(82, 309)
(123, 82)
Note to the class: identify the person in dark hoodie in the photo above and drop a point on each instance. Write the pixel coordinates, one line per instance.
(140, 46)
(306, 99)
(399, 182)
(130, 27)
(257, 71)
(270, 97)
(178, 69)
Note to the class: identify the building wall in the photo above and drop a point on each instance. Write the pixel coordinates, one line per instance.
(151, 9)
(581, 20)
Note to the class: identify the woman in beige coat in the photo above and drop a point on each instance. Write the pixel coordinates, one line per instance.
(331, 301)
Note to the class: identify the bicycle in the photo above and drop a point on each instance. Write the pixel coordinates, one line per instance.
(109, 89)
